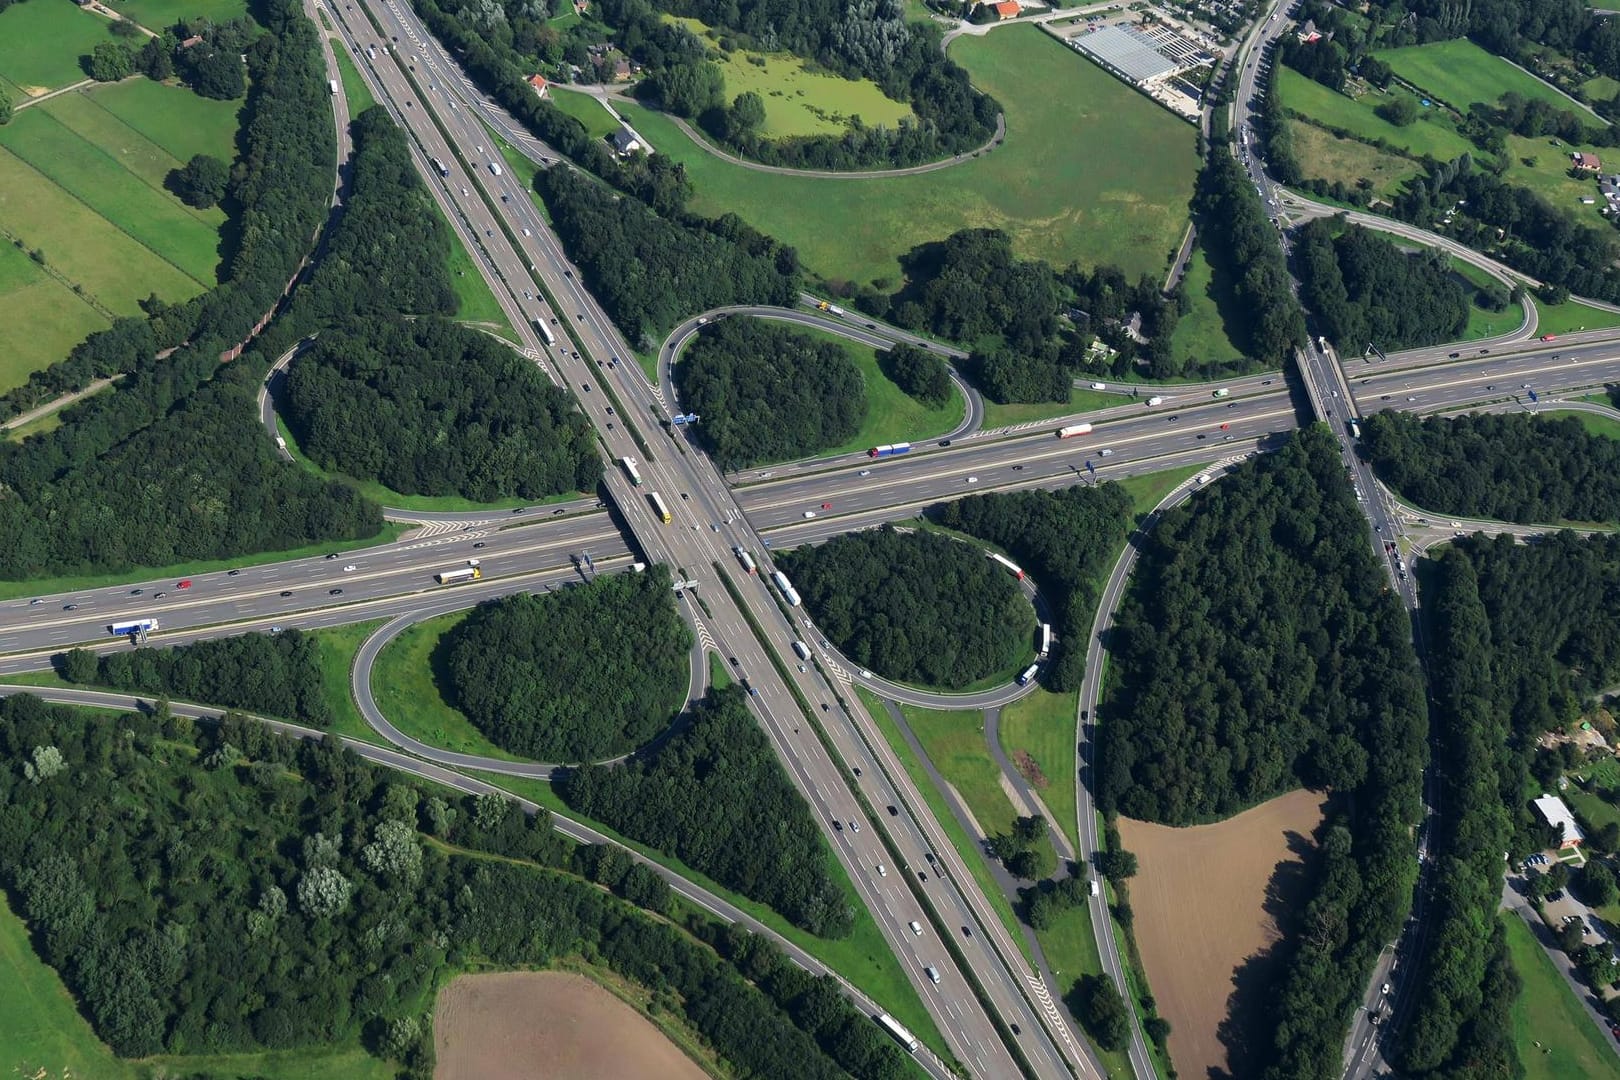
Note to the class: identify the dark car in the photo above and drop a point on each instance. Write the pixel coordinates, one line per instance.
(559, 510)
(232, 573)
(70, 607)
(733, 661)
(967, 931)
(1173, 419)
(332, 556)
(519, 509)
(1453, 356)
(334, 592)
(478, 545)
(1201, 435)
(944, 442)
(286, 592)
(856, 769)
(159, 595)
(838, 826)
(136, 592)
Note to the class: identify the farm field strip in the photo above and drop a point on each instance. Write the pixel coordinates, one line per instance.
(176, 119)
(40, 45)
(1460, 73)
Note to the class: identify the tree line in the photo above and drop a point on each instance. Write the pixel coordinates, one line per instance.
(714, 796)
(298, 897)
(649, 271)
(431, 408)
(1257, 651)
(582, 674)
(767, 393)
(915, 606)
(1365, 290)
(273, 674)
(1067, 539)
(1503, 466)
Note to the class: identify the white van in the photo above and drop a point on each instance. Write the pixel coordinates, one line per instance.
(802, 649)
(933, 975)
(1099, 386)
(916, 928)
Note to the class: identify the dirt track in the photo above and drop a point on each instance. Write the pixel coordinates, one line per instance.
(1201, 911)
(547, 1025)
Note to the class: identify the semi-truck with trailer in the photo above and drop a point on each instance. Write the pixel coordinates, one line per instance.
(459, 575)
(744, 559)
(1072, 430)
(133, 626)
(789, 593)
(1029, 673)
(545, 332)
(1011, 567)
(889, 450)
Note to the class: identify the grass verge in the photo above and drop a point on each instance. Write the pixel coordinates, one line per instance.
(1571, 317)
(1042, 726)
(1554, 1036)
(1070, 945)
(1080, 400)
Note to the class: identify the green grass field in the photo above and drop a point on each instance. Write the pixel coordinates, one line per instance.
(42, 1033)
(1070, 946)
(1459, 73)
(1544, 168)
(1602, 87)
(57, 318)
(955, 743)
(1201, 332)
(40, 45)
(1431, 134)
(967, 846)
(1042, 725)
(355, 91)
(1555, 1038)
(1323, 155)
(186, 239)
(892, 415)
(586, 109)
(181, 122)
(161, 14)
(1570, 317)
(1094, 173)
(799, 101)
(1080, 400)
(1147, 490)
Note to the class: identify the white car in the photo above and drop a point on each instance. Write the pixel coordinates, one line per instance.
(883, 871)
(808, 514)
(526, 232)
(973, 479)
(916, 928)
(351, 568)
(864, 472)
(1106, 453)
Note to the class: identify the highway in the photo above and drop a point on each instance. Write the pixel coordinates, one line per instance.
(523, 254)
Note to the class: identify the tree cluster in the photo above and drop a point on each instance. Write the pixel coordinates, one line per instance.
(1024, 849)
(431, 408)
(1503, 466)
(289, 900)
(200, 182)
(768, 393)
(1102, 1011)
(1067, 540)
(715, 796)
(272, 674)
(583, 674)
(1258, 651)
(916, 606)
(1238, 234)
(1364, 289)
(920, 373)
(650, 272)
(1045, 901)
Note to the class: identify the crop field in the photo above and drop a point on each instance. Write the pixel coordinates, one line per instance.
(40, 45)
(58, 319)
(1090, 171)
(1460, 73)
(1432, 133)
(800, 101)
(1555, 1038)
(1192, 951)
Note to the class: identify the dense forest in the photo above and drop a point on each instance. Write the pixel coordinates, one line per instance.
(431, 408)
(715, 796)
(1365, 290)
(1068, 540)
(272, 674)
(914, 606)
(1462, 989)
(768, 393)
(1258, 651)
(650, 272)
(390, 249)
(581, 674)
(918, 372)
(297, 897)
(1502, 466)
(1239, 236)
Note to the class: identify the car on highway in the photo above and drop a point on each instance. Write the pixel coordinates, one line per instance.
(916, 927)
(478, 545)
(184, 583)
(1173, 419)
(855, 826)
(35, 603)
(1482, 352)
(70, 607)
(1201, 435)
(883, 871)
(351, 568)
(160, 594)
(826, 506)
(334, 592)
(1226, 427)
(1105, 453)
(286, 592)
(332, 556)
(1018, 468)
(864, 472)
(893, 811)
(944, 442)
(136, 592)
(1453, 356)
(808, 514)
(838, 826)
(973, 479)
(587, 386)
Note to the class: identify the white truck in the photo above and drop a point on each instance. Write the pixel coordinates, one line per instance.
(1222, 392)
(333, 83)
(494, 169)
(1155, 401)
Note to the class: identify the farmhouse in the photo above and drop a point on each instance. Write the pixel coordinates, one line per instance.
(625, 141)
(1309, 33)
(1556, 814)
(539, 83)
(1007, 9)
(1586, 162)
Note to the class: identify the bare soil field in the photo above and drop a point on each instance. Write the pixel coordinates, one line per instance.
(528, 1025)
(1206, 900)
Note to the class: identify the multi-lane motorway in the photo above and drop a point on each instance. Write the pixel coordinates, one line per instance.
(906, 870)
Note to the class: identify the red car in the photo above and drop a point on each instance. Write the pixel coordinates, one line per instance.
(1225, 426)
(184, 584)
(826, 506)
(1549, 337)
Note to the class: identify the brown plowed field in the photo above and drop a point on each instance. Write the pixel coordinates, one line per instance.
(547, 1025)
(1202, 911)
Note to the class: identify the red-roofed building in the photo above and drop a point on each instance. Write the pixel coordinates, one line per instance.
(190, 41)
(1007, 9)
(539, 83)
(1586, 162)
